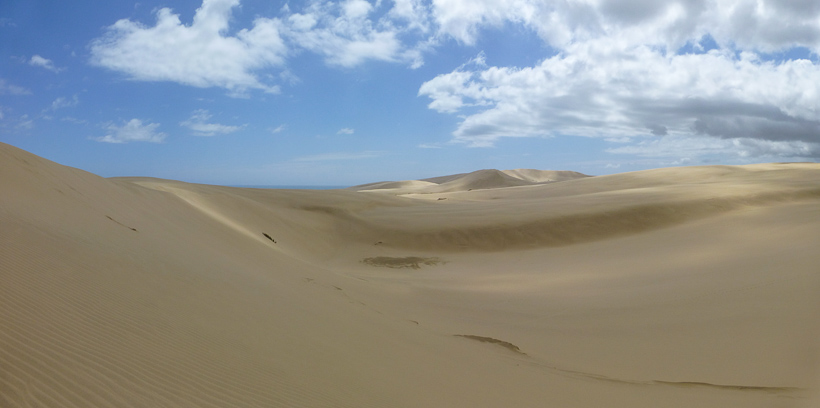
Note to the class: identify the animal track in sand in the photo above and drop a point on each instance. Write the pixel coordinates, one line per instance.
(413, 262)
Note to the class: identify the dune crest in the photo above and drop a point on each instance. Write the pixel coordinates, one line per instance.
(685, 287)
(477, 180)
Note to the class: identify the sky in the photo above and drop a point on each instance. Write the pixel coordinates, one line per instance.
(270, 92)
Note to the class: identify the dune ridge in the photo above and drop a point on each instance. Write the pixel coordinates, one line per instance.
(687, 287)
(477, 180)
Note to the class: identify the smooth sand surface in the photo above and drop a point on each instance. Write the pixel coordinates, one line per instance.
(680, 287)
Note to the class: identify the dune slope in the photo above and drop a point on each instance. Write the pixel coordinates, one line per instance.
(691, 287)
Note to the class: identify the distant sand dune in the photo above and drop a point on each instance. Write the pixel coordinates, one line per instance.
(477, 180)
(683, 287)
(546, 230)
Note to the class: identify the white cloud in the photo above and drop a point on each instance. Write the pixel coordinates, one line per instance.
(11, 89)
(9, 123)
(415, 13)
(71, 119)
(345, 131)
(198, 123)
(25, 123)
(200, 54)
(448, 91)
(343, 33)
(347, 33)
(63, 102)
(38, 61)
(765, 25)
(791, 149)
(683, 147)
(462, 19)
(596, 89)
(617, 70)
(618, 75)
(338, 156)
(132, 131)
(277, 129)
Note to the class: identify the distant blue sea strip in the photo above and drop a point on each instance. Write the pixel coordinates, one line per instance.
(290, 187)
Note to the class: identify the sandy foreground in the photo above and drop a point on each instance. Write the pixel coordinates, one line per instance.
(684, 287)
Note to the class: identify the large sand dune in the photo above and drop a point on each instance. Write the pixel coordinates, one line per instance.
(684, 287)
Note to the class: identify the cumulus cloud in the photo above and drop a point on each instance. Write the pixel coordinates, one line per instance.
(204, 54)
(201, 54)
(414, 13)
(198, 123)
(619, 73)
(344, 33)
(598, 90)
(765, 25)
(345, 131)
(38, 61)
(132, 131)
(628, 71)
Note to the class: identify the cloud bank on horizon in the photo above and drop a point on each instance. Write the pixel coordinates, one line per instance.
(676, 79)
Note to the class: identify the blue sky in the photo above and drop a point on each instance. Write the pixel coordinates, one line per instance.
(252, 92)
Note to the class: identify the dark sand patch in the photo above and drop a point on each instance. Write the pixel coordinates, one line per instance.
(502, 343)
(413, 262)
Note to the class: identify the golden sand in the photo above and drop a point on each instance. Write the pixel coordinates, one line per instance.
(680, 287)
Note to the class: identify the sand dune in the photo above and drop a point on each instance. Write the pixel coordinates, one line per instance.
(477, 180)
(684, 287)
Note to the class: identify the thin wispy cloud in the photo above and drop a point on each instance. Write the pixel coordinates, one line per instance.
(24, 123)
(339, 156)
(63, 102)
(429, 146)
(71, 119)
(345, 131)
(11, 89)
(199, 124)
